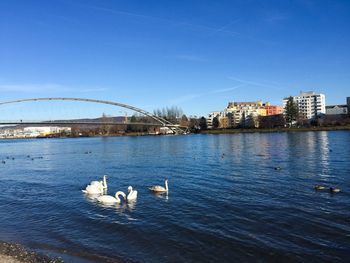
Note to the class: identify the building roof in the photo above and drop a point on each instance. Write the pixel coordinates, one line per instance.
(307, 93)
(304, 94)
(339, 106)
(247, 102)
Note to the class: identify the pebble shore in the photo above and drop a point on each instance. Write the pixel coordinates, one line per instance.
(15, 253)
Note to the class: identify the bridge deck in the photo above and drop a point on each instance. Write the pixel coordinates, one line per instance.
(81, 123)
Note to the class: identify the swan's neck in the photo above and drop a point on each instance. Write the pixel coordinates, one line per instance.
(117, 194)
(166, 185)
(104, 182)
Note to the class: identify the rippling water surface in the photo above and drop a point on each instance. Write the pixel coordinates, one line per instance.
(226, 202)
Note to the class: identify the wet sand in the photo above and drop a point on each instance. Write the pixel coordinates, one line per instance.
(15, 253)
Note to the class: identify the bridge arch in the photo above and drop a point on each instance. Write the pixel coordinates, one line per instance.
(161, 120)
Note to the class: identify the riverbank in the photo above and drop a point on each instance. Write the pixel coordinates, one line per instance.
(294, 129)
(15, 253)
(212, 131)
(88, 136)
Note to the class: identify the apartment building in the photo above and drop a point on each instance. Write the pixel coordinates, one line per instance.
(243, 113)
(273, 110)
(211, 117)
(310, 104)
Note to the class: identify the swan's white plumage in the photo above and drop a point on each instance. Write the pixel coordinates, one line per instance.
(160, 189)
(132, 194)
(108, 199)
(96, 187)
(94, 183)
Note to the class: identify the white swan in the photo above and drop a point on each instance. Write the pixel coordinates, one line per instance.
(93, 183)
(160, 189)
(104, 182)
(96, 187)
(108, 199)
(132, 194)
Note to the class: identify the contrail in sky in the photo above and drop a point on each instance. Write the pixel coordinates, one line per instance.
(194, 96)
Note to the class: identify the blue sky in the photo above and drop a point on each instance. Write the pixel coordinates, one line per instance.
(197, 55)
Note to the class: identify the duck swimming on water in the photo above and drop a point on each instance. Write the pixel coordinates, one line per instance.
(319, 187)
(334, 190)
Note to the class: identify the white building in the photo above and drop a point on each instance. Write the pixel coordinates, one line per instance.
(211, 117)
(310, 104)
(44, 131)
(336, 109)
(11, 133)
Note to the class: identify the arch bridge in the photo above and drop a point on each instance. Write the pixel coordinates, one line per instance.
(160, 121)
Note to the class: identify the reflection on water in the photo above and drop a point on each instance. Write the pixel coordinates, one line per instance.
(118, 206)
(91, 197)
(132, 205)
(324, 151)
(121, 206)
(226, 202)
(164, 195)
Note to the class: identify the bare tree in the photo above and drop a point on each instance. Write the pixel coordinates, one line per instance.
(184, 121)
(172, 114)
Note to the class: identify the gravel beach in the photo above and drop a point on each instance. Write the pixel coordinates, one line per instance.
(15, 253)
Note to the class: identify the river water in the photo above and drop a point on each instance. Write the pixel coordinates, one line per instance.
(226, 201)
